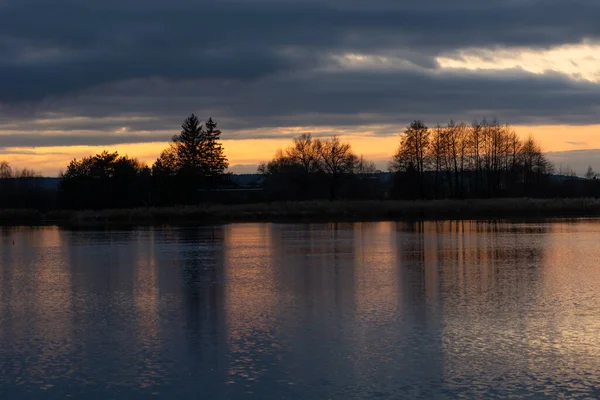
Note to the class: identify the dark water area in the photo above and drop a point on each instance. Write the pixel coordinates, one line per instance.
(381, 310)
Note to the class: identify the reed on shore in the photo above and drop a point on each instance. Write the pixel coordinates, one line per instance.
(311, 211)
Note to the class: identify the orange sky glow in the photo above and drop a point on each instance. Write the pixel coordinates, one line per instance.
(246, 153)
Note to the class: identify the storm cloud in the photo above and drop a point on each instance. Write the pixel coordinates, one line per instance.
(106, 66)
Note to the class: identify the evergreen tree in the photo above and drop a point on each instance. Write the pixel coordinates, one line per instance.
(188, 146)
(195, 160)
(214, 161)
(195, 151)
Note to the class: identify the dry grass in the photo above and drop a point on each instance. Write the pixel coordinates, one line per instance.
(314, 211)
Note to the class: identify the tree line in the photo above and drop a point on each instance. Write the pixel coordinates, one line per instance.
(479, 160)
(457, 160)
(18, 189)
(194, 159)
(483, 159)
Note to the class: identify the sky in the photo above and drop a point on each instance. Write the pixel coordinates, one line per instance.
(78, 77)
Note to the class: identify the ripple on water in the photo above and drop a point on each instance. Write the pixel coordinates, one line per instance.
(354, 310)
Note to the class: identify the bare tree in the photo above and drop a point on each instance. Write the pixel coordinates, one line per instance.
(281, 162)
(438, 153)
(567, 171)
(305, 152)
(365, 166)
(475, 139)
(533, 162)
(26, 173)
(302, 154)
(485, 157)
(412, 155)
(6, 171)
(336, 159)
(457, 149)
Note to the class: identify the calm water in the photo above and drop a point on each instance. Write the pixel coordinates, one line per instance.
(319, 311)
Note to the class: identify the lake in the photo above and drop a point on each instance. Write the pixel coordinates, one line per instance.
(384, 310)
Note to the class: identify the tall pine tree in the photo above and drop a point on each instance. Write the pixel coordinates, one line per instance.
(215, 162)
(196, 151)
(188, 146)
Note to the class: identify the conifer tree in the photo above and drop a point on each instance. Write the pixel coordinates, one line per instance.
(214, 161)
(195, 151)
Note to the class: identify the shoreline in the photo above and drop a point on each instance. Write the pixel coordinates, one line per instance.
(310, 211)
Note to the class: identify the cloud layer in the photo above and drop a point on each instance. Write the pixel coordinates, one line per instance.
(120, 71)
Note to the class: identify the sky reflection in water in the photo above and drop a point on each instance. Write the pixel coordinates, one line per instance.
(346, 310)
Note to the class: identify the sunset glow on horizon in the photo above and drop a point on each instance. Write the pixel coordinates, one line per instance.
(245, 154)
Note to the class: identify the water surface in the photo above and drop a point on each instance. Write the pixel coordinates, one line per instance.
(312, 311)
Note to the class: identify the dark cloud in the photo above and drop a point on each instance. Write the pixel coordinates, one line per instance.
(59, 47)
(338, 98)
(255, 64)
(46, 140)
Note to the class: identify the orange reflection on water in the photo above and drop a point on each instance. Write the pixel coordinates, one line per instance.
(250, 297)
(146, 298)
(376, 275)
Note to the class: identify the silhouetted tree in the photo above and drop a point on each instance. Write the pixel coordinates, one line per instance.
(305, 152)
(21, 188)
(286, 179)
(280, 164)
(295, 172)
(475, 140)
(194, 160)
(457, 152)
(103, 181)
(412, 155)
(25, 173)
(302, 155)
(533, 163)
(485, 158)
(188, 147)
(165, 164)
(566, 170)
(337, 159)
(5, 170)
(364, 166)
(195, 150)
(316, 168)
(214, 163)
(6, 184)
